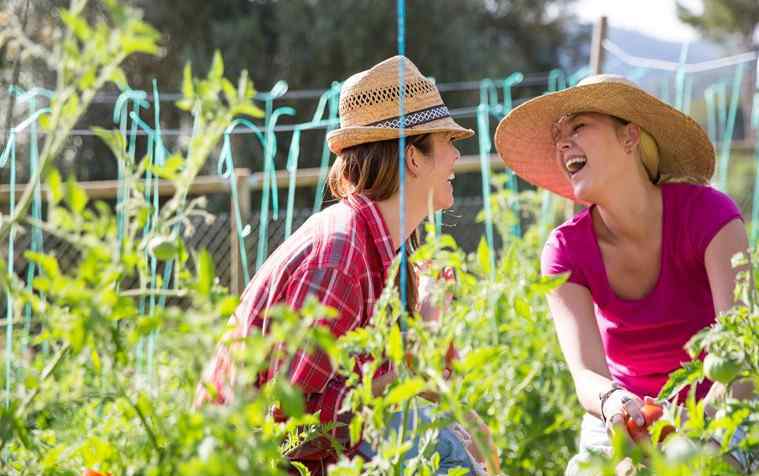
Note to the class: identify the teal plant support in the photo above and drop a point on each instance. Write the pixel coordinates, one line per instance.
(333, 100)
(316, 122)
(37, 242)
(8, 157)
(226, 168)
(270, 151)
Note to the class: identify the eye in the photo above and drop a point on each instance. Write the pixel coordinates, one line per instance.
(578, 126)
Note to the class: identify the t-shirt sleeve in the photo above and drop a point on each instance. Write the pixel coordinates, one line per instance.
(710, 211)
(557, 259)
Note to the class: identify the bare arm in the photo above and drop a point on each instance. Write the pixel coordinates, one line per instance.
(571, 307)
(728, 242)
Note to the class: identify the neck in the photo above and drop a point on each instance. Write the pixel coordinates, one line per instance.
(632, 212)
(390, 210)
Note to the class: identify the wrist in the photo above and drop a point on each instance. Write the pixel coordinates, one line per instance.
(604, 397)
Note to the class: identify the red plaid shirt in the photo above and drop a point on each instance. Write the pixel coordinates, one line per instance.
(341, 257)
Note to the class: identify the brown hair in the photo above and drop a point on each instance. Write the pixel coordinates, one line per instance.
(372, 170)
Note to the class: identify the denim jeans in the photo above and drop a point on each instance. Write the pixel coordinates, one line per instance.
(452, 451)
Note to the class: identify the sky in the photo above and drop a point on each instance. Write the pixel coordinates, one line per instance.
(652, 17)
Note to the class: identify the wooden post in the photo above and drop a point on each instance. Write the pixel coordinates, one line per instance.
(236, 276)
(596, 46)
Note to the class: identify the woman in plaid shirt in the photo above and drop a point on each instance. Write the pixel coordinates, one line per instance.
(341, 255)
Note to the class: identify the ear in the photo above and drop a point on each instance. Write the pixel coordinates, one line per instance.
(631, 137)
(413, 161)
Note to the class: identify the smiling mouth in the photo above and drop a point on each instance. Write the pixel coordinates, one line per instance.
(451, 178)
(575, 164)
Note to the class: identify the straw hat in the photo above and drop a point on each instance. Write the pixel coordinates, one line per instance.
(370, 106)
(524, 142)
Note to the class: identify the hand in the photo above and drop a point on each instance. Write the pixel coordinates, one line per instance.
(428, 308)
(476, 424)
(621, 406)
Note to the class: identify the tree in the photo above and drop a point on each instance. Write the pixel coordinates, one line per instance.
(730, 21)
(725, 20)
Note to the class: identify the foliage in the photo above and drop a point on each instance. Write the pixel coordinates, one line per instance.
(88, 395)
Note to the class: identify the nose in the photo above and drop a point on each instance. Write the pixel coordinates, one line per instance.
(563, 144)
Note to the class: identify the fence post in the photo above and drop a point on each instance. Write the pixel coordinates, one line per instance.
(236, 283)
(596, 46)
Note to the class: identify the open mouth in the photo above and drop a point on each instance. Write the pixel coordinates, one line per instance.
(451, 178)
(575, 164)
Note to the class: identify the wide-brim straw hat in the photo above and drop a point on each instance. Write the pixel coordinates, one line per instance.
(370, 106)
(525, 143)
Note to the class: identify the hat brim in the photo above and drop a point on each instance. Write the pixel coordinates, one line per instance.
(524, 142)
(342, 138)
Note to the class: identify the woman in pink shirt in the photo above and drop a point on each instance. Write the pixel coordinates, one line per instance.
(648, 262)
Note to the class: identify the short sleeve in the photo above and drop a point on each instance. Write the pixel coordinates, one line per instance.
(709, 212)
(557, 259)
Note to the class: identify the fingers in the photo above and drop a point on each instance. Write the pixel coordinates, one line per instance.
(632, 407)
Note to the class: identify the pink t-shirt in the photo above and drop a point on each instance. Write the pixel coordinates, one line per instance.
(643, 339)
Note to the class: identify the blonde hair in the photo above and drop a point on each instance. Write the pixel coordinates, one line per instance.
(649, 155)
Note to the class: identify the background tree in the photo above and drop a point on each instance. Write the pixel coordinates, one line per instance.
(730, 21)
(311, 43)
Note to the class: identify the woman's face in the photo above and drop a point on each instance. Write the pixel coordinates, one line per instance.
(590, 153)
(435, 172)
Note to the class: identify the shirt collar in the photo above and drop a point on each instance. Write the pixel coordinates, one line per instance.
(378, 230)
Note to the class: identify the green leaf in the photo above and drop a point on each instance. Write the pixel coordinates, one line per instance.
(522, 307)
(395, 345)
(96, 361)
(76, 196)
(71, 108)
(76, 24)
(290, 400)
(483, 256)
(138, 44)
(478, 358)
(113, 139)
(302, 469)
(357, 422)
(690, 373)
(247, 109)
(405, 391)
(170, 168)
(230, 93)
(118, 77)
(217, 67)
(47, 263)
(206, 273)
(188, 91)
(55, 187)
(87, 80)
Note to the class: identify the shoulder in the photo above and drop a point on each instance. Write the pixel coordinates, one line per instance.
(688, 196)
(339, 238)
(573, 230)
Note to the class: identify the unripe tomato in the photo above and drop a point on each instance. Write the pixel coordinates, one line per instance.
(651, 413)
(720, 369)
(163, 248)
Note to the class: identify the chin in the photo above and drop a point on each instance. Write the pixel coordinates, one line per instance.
(583, 193)
(443, 204)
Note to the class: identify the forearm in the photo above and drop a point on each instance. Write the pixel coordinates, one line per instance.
(588, 386)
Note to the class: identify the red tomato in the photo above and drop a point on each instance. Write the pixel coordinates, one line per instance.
(92, 472)
(651, 413)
